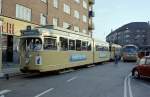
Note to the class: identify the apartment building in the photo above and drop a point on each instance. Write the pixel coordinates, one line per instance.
(136, 33)
(15, 15)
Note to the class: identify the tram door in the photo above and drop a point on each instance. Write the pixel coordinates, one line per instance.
(9, 50)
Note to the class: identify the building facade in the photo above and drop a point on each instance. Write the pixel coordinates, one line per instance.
(136, 33)
(15, 15)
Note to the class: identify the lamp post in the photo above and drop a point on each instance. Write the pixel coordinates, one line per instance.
(1, 74)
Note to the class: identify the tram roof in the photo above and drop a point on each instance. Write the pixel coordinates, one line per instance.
(97, 41)
(50, 29)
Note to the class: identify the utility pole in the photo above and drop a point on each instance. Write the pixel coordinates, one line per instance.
(1, 74)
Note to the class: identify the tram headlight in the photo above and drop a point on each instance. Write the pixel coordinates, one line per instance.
(27, 60)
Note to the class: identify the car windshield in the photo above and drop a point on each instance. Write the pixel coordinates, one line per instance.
(142, 61)
(148, 61)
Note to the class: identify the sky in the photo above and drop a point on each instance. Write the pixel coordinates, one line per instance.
(112, 14)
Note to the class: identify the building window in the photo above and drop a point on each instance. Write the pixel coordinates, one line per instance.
(78, 1)
(0, 6)
(66, 8)
(23, 12)
(84, 31)
(76, 14)
(42, 19)
(84, 18)
(65, 25)
(84, 4)
(76, 29)
(45, 1)
(55, 21)
(55, 3)
(127, 36)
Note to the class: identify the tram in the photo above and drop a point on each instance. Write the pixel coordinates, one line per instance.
(130, 53)
(50, 48)
(101, 52)
(115, 49)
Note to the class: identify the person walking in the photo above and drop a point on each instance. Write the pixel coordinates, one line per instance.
(116, 59)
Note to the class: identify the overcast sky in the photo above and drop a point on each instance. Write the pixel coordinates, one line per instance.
(111, 14)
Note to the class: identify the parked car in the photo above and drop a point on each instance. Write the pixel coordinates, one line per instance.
(143, 68)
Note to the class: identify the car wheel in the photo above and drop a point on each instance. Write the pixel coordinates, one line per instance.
(136, 74)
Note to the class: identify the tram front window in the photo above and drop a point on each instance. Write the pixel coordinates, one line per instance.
(32, 44)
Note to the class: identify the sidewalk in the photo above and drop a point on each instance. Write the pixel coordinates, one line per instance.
(10, 69)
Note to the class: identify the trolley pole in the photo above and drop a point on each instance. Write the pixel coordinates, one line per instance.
(1, 73)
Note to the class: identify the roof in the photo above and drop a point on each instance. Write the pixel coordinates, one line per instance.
(132, 26)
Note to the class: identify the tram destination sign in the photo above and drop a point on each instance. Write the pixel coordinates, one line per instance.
(31, 32)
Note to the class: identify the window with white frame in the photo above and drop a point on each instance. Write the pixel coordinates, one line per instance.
(76, 29)
(76, 14)
(55, 21)
(85, 4)
(84, 31)
(84, 18)
(42, 19)
(0, 6)
(78, 1)
(65, 25)
(66, 8)
(45, 1)
(55, 3)
(23, 12)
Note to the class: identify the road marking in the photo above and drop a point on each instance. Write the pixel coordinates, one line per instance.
(73, 78)
(127, 86)
(49, 90)
(3, 92)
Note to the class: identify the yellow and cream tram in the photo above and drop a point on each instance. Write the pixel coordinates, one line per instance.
(101, 51)
(115, 50)
(50, 48)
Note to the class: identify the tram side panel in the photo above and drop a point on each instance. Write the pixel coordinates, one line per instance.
(54, 60)
(101, 52)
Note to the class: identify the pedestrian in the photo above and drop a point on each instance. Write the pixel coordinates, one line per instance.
(116, 59)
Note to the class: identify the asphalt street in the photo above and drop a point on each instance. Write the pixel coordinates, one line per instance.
(104, 80)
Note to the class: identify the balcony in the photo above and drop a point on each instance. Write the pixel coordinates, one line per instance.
(91, 2)
(91, 13)
(91, 26)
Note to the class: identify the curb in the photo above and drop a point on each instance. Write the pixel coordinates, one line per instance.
(7, 76)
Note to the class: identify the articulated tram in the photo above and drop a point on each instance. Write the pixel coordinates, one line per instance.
(50, 48)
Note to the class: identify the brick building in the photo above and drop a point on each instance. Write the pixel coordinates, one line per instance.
(15, 15)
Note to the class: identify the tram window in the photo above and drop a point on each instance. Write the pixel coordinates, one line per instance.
(89, 46)
(32, 43)
(64, 43)
(84, 45)
(101, 48)
(78, 45)
(97, 48)
(71, 44)
(50, 44)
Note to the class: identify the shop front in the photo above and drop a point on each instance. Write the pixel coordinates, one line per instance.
(10, 30)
